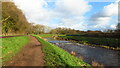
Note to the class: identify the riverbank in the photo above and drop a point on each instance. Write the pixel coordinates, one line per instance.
(55, 56)
(97, 42)
(96, 56)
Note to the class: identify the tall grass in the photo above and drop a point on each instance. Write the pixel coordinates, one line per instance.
(11, 46)
(55, 56)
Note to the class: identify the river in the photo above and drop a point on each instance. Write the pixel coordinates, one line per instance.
(103, 56)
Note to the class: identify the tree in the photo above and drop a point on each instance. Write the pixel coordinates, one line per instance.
(13, 20)
(64, 31)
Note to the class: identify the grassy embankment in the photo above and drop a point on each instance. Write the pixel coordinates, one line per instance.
(11, 46)
(55, 56)
(112, 43)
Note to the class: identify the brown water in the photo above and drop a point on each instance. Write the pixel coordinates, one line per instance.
(103, 56)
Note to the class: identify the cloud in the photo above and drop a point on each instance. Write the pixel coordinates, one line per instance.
(72, 7)
(74, 23)
(70, 12)
(34, 10)
(113, 26)
(103, 18)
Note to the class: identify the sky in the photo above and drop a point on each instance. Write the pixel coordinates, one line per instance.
(76, 14)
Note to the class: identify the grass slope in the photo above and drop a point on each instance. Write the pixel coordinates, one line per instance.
(11, 46)
(55, 56)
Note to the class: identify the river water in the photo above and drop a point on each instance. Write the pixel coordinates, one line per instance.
(103, 56)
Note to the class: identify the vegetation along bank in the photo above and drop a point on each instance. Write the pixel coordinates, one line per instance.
(55, 56)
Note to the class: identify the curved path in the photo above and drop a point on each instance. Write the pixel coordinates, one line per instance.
(30, 55)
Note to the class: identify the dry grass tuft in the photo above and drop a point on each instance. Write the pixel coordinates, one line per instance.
(97, 65)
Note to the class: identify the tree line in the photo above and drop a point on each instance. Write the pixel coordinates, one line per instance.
(14, 22)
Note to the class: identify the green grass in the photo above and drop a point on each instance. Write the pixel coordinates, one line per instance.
(11, 46)
(55, 56)
(49, 35)
(112, 42)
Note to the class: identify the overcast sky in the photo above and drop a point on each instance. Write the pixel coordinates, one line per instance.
(76, 14)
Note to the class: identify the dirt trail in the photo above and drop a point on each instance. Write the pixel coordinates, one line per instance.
(30, 55)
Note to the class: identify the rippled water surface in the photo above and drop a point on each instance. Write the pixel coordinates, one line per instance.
(103, 56)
